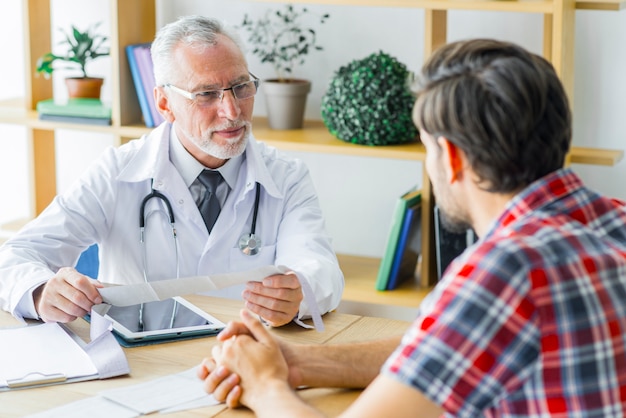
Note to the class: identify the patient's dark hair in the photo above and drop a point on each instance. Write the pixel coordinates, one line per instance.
(502, 105)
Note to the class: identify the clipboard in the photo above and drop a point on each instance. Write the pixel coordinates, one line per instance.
(50, 353)
(36, 379)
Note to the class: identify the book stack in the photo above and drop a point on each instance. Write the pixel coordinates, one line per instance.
(88, 111)
(141, 69)
(404, 243)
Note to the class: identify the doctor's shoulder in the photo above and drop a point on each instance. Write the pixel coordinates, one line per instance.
(281, 165)
(122, 155)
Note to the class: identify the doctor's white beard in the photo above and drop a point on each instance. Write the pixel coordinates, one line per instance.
(224, 152)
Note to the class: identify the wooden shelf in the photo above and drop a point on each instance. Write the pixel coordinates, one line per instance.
(528, 6)
(611, 5)
(14, 112)
(596, 156)
(360, 278)
(314, 137)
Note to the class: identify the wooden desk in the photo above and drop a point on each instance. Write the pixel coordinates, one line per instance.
(150, 362)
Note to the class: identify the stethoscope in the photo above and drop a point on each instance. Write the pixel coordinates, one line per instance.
(142, 228)
(249, 244)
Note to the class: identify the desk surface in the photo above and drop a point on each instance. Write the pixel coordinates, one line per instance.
(150, 362)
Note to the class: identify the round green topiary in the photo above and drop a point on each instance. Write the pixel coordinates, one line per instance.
(369, 102)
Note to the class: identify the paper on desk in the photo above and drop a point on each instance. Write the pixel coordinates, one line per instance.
(134, 294)
(93, 407)
(174, 392)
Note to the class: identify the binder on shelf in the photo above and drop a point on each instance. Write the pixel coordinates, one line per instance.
(141, 95)
(144, 61)
(141, 69)
(409, 248)
(448, 244)
(408, 199)
(76, 110)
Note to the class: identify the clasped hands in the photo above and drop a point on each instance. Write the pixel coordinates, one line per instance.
(248, 364)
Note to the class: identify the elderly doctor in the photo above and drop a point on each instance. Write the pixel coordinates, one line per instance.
(206, 95)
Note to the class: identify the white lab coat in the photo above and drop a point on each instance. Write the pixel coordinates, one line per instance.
(103, 207)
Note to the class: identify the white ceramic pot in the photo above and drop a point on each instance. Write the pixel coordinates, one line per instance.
(286, 101)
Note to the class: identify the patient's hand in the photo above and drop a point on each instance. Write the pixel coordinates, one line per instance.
(224, 385)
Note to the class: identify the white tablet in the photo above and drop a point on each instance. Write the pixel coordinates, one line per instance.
(153, 322)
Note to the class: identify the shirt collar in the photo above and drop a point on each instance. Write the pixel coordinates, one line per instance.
(537, 195)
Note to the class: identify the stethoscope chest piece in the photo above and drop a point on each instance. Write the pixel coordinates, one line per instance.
(250, 244)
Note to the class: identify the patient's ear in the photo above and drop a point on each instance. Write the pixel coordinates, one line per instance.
(453, 159)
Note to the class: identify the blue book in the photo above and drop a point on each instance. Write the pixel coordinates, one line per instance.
(146, 71)
(409, 248)
(141, 93)
(405, 201)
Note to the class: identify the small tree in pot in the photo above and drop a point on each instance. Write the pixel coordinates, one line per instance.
(82, 47)
(280, 39)
(369, 102)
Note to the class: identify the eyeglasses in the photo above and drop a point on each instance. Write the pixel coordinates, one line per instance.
(206, 98)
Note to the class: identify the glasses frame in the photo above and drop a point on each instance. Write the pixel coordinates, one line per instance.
(192, 96)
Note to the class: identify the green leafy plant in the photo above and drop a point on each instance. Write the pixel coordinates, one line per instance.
(82, 48)
(280, 38)
(369, 102)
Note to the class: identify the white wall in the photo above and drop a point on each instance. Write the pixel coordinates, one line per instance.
(14, 169)
(358, 194)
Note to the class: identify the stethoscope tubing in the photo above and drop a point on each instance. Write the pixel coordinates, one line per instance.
(256, 209)
(245, 247)
(170, 212)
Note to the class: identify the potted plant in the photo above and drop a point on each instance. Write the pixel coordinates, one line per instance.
(82, 47)
(280, 38)
(369, 102)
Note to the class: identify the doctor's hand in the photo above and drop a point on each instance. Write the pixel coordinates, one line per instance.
(276, 299)
(66, 296)
(224, 385)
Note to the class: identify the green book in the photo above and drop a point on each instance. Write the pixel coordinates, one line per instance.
(86, 108)
(407, 200)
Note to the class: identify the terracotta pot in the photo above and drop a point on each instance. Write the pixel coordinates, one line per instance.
(81, 87)
(286, 101)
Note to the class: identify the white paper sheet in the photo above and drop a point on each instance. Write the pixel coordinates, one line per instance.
(134, 294)
(178, 391)
(160, 395)
(93, 407)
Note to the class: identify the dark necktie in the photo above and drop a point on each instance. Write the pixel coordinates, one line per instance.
(210, 205)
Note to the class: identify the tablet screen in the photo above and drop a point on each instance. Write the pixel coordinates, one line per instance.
(169, 318)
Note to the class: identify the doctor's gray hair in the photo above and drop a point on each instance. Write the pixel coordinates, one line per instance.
(192, 30)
